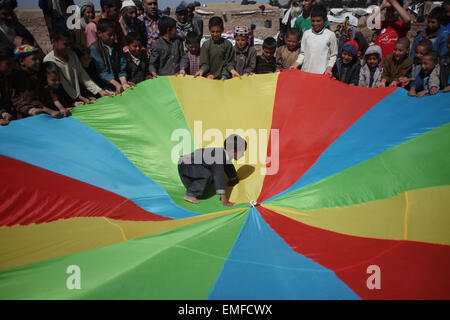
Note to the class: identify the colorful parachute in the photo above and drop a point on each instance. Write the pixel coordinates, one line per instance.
(356, 205)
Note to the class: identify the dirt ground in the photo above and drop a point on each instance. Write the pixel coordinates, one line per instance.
(34, 21)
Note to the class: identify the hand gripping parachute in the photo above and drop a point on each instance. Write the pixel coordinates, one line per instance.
(344, 194)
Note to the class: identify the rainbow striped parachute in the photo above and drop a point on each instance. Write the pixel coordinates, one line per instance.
(355, 206)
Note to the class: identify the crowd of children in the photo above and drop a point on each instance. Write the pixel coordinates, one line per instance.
(120, 50)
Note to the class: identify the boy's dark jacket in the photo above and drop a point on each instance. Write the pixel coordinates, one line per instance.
(137, 73)
(445, 70)
(218, 165)
(352, 75)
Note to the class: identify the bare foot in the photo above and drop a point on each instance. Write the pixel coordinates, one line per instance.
(191, 199)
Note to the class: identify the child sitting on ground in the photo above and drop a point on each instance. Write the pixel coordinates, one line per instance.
(55, 97)
(28, 91)
(137, 59)
(427, 81)
(168, 56)
(245, 56)
(288, 53)
(396, 65)
(371, 70)
(193, 52)
(109, 59)
(203, 166)
(319, 48)
(347, 67)
(217, 54)
(6, 89)
(266, 63)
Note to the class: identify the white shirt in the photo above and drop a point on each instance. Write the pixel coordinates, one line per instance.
(318, 51)
(72, 73)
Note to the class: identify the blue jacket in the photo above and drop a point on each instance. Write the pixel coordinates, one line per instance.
(439, 44)
(109, 67)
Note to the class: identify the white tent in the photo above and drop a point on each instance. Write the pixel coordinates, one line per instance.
(341, 18)
(203, 12)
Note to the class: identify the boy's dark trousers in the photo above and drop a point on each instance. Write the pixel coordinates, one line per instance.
(195, 178)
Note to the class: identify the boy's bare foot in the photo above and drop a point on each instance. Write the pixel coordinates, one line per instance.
(191, 199)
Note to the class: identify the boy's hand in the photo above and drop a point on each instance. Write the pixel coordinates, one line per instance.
(154, 75)
(56, 114)
(65, 112)
(228, 203)
(225, 201)
(433, 90)
(126, 86)
(384, 4)
(104, 93)
(210, 76)
(235, 74)
(83, 99)
(447, 89)
(4, 122)
(181, 73)
(7, 117)
(199, 73)
(119, 88)
(328, 71)
(412, 92)
(36, 111)
(421, 93)
(404, 79)
(382, 84)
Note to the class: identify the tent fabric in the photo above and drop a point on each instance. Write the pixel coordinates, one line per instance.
(335, 179)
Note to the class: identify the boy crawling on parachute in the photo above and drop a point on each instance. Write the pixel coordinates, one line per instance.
(209, 165)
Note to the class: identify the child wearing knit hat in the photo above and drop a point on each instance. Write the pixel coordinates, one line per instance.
(245, 56)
